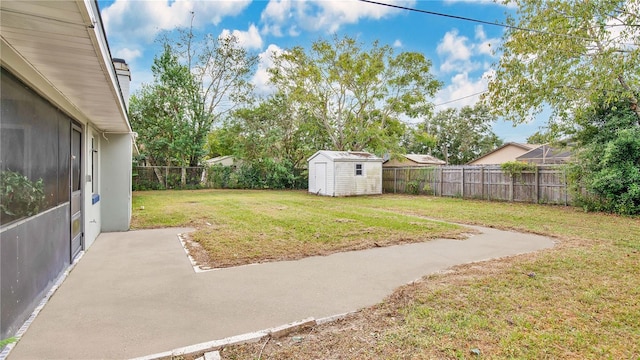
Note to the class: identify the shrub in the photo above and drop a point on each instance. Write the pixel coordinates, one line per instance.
(606, 173)
(20, 196)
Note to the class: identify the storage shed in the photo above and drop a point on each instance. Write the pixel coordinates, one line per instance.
(345, 173)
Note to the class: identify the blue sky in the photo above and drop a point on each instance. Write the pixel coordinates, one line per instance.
(462, 52)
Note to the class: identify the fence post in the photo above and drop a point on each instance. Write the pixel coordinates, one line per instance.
(482, 182)
(537, 184)
(511, 184)
(395, 180)
(489, 185)
(462, 183)
(566, 188)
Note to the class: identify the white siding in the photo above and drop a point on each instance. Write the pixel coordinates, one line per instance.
(115, 182)
(323, 186)
(349, 184)
(336, 176)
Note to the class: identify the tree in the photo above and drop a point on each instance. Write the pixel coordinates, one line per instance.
(160, 114)
(460, 135)
(356, 96)
(276, 128)
(196, 83)
(607, 164)
(576, 54)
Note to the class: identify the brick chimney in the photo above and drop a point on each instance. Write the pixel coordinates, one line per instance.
(124, 78)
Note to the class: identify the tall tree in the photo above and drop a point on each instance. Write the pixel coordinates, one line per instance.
(574, 54)
(160, 114)
(276, 129)
(356, 95)
(218, 69)
(459, 136)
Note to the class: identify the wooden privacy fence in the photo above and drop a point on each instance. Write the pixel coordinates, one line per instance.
(545, 184)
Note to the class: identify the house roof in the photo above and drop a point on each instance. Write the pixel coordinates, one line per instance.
(60, 49)
(347, 156)
(425, 159)
(523, 146)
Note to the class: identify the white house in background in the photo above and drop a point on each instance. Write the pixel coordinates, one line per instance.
(64, 122)
(345, 173)
(505, 153)
(227, 160)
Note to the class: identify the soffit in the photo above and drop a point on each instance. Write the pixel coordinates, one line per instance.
(63, 43)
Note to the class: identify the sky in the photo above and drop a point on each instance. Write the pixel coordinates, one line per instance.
(463, 53)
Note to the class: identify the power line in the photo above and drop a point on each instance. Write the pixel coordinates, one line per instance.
(461, 98)
(481, 21)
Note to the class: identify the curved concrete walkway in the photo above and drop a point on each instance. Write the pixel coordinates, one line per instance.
(136, 293)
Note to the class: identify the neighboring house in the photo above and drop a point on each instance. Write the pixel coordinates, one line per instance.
(545, 154)
(64, 126)
(413, 160)
(227, 160)
(345, 173)
(505, 153)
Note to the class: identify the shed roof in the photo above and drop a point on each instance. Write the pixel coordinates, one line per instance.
(347, 156)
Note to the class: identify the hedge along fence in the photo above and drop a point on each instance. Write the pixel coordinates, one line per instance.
(542, 184)
(167, 177)
(268, 175)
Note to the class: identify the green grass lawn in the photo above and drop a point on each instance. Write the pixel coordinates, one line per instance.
(240, 227)
(579, 300)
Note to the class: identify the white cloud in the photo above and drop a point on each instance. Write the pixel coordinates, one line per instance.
(460, 54)
(261, 78)
(129, 55)
(462, 90)
(510, 4)
(397, 44)
(249, 39)
(321, 14)
(454, 47)
(135, 21)
(486, 46)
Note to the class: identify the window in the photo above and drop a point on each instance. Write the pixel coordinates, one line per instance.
(94, 165)
(358, 169)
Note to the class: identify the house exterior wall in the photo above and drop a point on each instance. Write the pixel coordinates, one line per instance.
(36, 249)
(115, 182)
(506, 154)
(92, 204)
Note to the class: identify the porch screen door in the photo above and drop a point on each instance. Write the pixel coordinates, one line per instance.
(76, 191)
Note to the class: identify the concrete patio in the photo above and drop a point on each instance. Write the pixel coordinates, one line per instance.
(136, 293)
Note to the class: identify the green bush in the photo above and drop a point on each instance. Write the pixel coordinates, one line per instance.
(260, 174)
(413, 187)
(606, 173)
(20, 196)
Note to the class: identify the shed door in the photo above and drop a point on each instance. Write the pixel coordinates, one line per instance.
(321, 178)
(76, 192)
